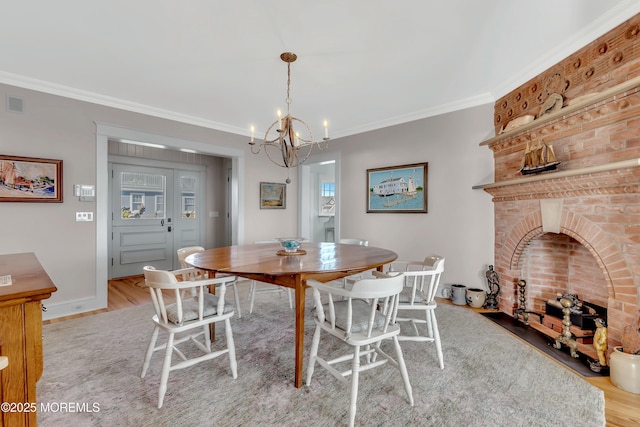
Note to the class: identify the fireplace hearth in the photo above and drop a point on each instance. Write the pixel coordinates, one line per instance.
(545, 344)
(566, 321)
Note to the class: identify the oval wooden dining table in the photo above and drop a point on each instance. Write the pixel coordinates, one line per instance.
(321, 261)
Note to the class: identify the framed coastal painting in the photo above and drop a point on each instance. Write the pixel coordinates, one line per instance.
(30, 179)
(397, 189)
(273, 195)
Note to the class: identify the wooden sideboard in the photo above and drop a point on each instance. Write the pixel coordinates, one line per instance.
(21, 335)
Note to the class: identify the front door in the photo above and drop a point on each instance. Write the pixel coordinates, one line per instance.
(155, 211)
(142, 219)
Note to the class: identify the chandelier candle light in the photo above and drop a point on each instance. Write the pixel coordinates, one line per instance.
(288, 147)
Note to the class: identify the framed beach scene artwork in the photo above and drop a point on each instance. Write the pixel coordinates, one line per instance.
(397, 189)
(30, 179)
(273, 195)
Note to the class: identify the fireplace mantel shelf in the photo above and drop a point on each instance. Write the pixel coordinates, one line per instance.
(612, 92)
(624, 164)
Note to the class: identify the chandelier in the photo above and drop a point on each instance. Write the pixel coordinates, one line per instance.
(288, 142)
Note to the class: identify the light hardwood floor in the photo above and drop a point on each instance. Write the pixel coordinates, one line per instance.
(622, 409)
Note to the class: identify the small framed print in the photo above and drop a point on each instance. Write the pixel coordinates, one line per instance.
(273, 195)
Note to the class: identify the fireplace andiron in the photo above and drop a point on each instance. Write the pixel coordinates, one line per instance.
(493, 282)
(522, 308)
(566, 337)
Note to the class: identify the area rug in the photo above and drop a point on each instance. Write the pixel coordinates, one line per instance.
(92, 378)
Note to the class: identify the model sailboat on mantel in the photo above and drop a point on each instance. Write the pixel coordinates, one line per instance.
(538, 157)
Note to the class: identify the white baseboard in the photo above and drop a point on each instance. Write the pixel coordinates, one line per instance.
(70, 308)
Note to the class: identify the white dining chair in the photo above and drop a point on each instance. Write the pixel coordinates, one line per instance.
(361, 242)
(348, 281)
(360, 318)
(188, 314)
(185, 252)
(266, 287)
(417, 303)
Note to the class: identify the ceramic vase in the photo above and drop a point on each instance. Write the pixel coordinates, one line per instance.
(624, 370)
(458, 294)
(476, 297)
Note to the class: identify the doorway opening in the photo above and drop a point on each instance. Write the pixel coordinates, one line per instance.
(234, 161)
(319, 211)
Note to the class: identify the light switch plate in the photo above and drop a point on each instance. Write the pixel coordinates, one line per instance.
(84, 216)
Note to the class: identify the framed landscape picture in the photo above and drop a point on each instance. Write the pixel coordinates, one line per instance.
(30, 179)
(397, 189)
(273, 195)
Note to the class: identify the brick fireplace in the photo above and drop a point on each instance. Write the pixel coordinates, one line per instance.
(575, 229)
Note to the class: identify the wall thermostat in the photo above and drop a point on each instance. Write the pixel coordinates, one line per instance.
(86, 193)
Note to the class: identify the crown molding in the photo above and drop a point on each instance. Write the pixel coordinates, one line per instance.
(108, 101)
(462, 104)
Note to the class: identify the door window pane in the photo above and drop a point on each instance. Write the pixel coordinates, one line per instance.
(137, 203)
(159, 206)
(142, 195)
(188, 196)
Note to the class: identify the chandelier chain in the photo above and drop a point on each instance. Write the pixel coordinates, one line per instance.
(288, 100)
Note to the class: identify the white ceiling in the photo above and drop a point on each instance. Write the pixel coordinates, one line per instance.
(362, 64)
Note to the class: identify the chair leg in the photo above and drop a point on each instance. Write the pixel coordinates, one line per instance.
(232, 348)
(237, 298)
(415, 327)
(253, 290)
(207, 337)
(429, 324)
(355, 376)
(313, 355)
(166, 367)
(436, 338)
(290, 299)
(152, 345)
(252, 295)
(403, 369)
